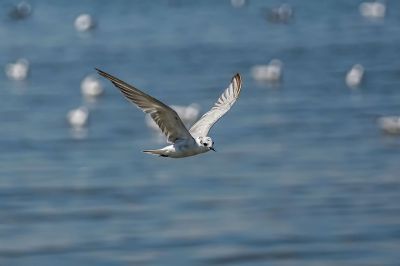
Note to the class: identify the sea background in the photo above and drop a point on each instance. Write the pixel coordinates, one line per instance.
(302, 175)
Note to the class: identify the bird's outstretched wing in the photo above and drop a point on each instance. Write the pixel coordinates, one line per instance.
(224, 103)
(166, 118)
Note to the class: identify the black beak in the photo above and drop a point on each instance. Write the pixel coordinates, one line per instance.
(211, 148)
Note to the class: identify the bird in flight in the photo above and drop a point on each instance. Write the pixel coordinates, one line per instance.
(184, 142)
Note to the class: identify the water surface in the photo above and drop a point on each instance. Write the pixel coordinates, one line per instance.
(302, 176)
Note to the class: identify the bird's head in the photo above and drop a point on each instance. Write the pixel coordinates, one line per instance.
(206, 142)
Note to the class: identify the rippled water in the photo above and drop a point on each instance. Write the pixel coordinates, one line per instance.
(302, 176)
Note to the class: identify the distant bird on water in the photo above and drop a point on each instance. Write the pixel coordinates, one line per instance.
(84, 22)
(373, 10)
(91, 87)
(184, 142)
(355, 76)
(390, 124)
(78, 117)
(20, 11)
(270, 73)
(281, 14)
(19, 70)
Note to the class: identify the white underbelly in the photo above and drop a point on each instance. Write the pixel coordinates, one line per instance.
(186, 153)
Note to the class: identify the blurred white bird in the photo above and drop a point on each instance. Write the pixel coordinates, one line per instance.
(390, 124)
(19, 70)
(78, 118)
(188, 114)
(21, 11)
(373, 10)
(355, 76)
(281, 14)
(271, 73)
(238, 3)
(84, 22)
(91, 87)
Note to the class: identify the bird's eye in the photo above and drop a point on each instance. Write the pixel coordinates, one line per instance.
(205, 144)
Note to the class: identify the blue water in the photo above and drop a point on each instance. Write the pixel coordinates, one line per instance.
(302, 176)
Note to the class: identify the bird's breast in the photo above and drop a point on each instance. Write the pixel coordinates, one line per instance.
(185, 150)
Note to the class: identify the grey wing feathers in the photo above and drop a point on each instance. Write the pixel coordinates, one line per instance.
(224, 103)
(166, 118)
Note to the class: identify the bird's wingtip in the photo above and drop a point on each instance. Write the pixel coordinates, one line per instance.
(238, 80)
(101, 72)
(237, 76)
